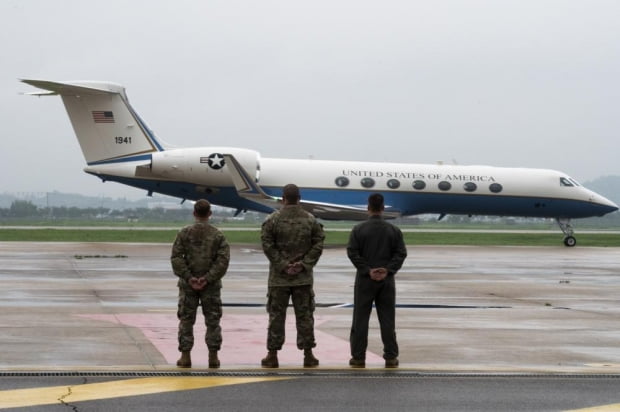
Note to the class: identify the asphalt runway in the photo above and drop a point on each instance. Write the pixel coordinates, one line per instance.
(93, 326)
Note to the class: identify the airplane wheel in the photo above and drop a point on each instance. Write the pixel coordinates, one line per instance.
(570, 241)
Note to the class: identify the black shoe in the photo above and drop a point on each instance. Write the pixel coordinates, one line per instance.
(357, 363)
(391, 363)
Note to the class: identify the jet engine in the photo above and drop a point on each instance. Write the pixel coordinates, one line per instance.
(202, 165)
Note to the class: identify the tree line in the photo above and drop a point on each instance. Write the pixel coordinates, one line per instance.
(22, 211)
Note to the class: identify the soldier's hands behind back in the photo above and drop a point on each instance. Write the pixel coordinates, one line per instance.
(378, 274)
(294, 268)
(198, 283)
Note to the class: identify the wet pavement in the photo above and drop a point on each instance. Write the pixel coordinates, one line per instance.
(112, 306)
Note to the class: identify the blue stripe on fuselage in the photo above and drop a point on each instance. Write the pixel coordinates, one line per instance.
(414, 203)
(408, 203)
(222, 196)
(135, 158)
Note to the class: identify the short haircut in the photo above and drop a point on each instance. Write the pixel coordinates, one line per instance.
(290, 193)
(202, 208)
(375, 202)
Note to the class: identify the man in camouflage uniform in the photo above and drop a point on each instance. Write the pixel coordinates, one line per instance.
(200, 257)
(292, 240)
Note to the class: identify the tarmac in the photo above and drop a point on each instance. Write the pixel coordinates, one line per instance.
(460, 309)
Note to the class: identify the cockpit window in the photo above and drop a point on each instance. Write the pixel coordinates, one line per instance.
(566, 182)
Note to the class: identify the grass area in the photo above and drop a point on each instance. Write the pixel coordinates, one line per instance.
(511, 239)
(87, 235)
(333, 238)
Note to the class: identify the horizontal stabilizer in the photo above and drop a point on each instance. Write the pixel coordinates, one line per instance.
(41, 93)
(84, 88)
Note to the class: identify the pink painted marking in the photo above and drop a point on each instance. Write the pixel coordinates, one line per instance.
(244, 339)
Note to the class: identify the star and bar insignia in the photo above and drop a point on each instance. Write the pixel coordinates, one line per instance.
(214, 160)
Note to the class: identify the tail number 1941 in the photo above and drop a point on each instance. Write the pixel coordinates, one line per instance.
(122, 140)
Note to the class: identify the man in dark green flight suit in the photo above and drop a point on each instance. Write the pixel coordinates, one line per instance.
(377, 250)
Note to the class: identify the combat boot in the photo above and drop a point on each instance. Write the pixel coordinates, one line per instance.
(214, 362)
(357, 363)
(309, 360)
(271, 360)
(185, 361)
(391, 363)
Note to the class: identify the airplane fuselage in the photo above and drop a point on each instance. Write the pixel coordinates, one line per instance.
(409, 189)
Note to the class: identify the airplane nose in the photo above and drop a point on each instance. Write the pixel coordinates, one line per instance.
(606, 205)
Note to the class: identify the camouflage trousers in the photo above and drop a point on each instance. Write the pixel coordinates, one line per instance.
(211, 303)
(303, 303)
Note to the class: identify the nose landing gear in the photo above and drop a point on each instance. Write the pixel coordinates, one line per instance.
(567, 229)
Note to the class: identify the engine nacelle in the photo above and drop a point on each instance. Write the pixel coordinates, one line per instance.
(202, 165)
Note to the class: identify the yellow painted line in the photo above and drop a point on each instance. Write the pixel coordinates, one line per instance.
(17, 398)
(604, 408)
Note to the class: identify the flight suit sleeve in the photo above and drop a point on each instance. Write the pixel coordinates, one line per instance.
(399, 253)
(353, 252)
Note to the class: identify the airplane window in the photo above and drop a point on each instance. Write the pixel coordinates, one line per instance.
(574, 181)
(342, 181)
(495, 187)
(565, 182)
(470, 187)
(419, 184)
(393, 184)
(367, 182)
(444, 185)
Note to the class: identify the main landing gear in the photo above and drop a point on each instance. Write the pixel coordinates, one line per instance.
(567, 229)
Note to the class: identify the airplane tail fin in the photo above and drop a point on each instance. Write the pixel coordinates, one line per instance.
(107, 127)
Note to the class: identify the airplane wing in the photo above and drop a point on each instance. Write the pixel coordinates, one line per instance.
(334, 211)
(248, 188)
(246, 185)
(337, 211)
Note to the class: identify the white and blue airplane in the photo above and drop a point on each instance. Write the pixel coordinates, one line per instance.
(119, 146)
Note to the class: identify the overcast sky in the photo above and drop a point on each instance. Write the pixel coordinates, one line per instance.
(520, 83)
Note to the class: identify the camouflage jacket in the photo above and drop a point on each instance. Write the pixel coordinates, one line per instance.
(288, 235)
(200, 250)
